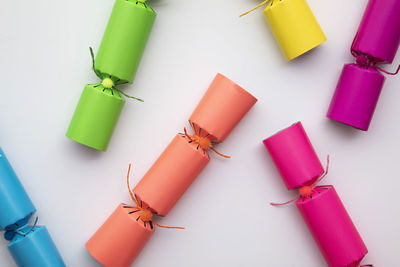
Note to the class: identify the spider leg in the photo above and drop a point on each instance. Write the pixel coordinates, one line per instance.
(138, 218)
(324, 186)
(133, 211)
(151, 225)
(187, 135)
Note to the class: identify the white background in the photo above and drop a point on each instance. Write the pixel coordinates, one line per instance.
(45, 63)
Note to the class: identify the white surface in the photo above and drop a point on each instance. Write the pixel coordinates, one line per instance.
(45, 63)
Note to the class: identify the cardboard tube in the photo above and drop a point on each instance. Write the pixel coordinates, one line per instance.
(125, 38)
(294, 156)
(377, 41)
(294, 27)
(169, 177)
(95, 117)
(15, 205)
(356, 96)
(120, 239)
(36, 249)
(379, 32)
(222, 107)
(29, 246)
(332, 228)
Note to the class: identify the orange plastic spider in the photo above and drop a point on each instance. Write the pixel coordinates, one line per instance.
(306, 191)
(144, 212)
(203, 142)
